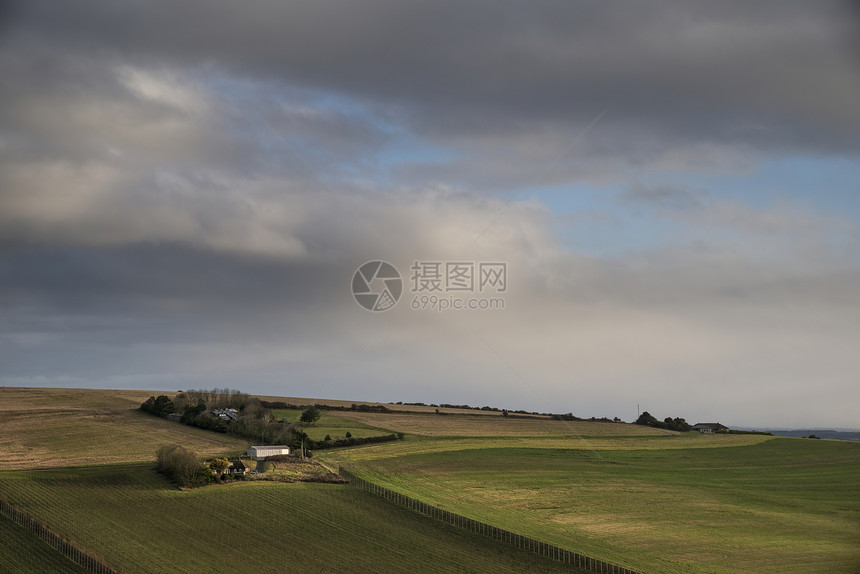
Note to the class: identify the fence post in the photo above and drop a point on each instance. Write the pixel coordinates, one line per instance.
(79, 556)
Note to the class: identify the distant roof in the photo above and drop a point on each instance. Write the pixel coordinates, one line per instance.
(230, 414)
(272, 446)
(709, 426)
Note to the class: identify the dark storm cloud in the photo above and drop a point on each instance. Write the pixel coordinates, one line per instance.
(74, 106)
(770, 76)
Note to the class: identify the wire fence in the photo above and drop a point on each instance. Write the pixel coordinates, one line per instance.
(54, 540)
(518, 540)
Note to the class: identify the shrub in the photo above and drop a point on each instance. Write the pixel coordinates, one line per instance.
(310, 415)
(353, 441)
(160, 406)
(219, 465)
(182, 466)
(281, 458)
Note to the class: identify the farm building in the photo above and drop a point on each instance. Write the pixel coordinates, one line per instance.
(709, 428)
(259, 452)
(226, 414)
(235, 467)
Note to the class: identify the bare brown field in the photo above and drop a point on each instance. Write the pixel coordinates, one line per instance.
(42, 428)
(19, 399)
(389, 406)
(497, 426)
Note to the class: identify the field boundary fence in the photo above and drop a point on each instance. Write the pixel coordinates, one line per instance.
(523, 542)
(68, 548)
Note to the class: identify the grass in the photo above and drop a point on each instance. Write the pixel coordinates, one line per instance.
(778, 505)
(330, 424)
(43, 428)
(649, 499)
(22, 552)
(427, 445)
(460, 425)
(139, 523)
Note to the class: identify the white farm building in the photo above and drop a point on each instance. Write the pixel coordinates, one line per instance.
(259, 452)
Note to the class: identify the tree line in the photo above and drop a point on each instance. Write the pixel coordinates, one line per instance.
(676, 424)
(322, 407)
(255, 421)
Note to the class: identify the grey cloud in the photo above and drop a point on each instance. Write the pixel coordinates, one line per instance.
(573, 326)
(476, 76)
(187, 188)
(666, 196)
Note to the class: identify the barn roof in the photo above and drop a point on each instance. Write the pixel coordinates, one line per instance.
(715, 426)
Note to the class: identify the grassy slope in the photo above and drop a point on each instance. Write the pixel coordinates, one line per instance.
(780, 505)
(427, 445)
(495, 425)
(41, 428)
(261, 527)
(799, 503)
(23, 553)
(330, 424)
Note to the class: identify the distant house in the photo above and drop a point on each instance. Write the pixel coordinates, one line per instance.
(709, 428)
(175, 417)
(226, 414)
(236, 467)
(259, 452)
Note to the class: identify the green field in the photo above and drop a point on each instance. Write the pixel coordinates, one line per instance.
(139, 523)
(764, 505)
(426, 445)
(330, 424)
(23, 553)
(649, 499)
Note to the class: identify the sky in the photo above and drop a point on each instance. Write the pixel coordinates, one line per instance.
(651, 206)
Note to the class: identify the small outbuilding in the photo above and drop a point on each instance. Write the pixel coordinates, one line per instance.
(260, 452)
(709, 428)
